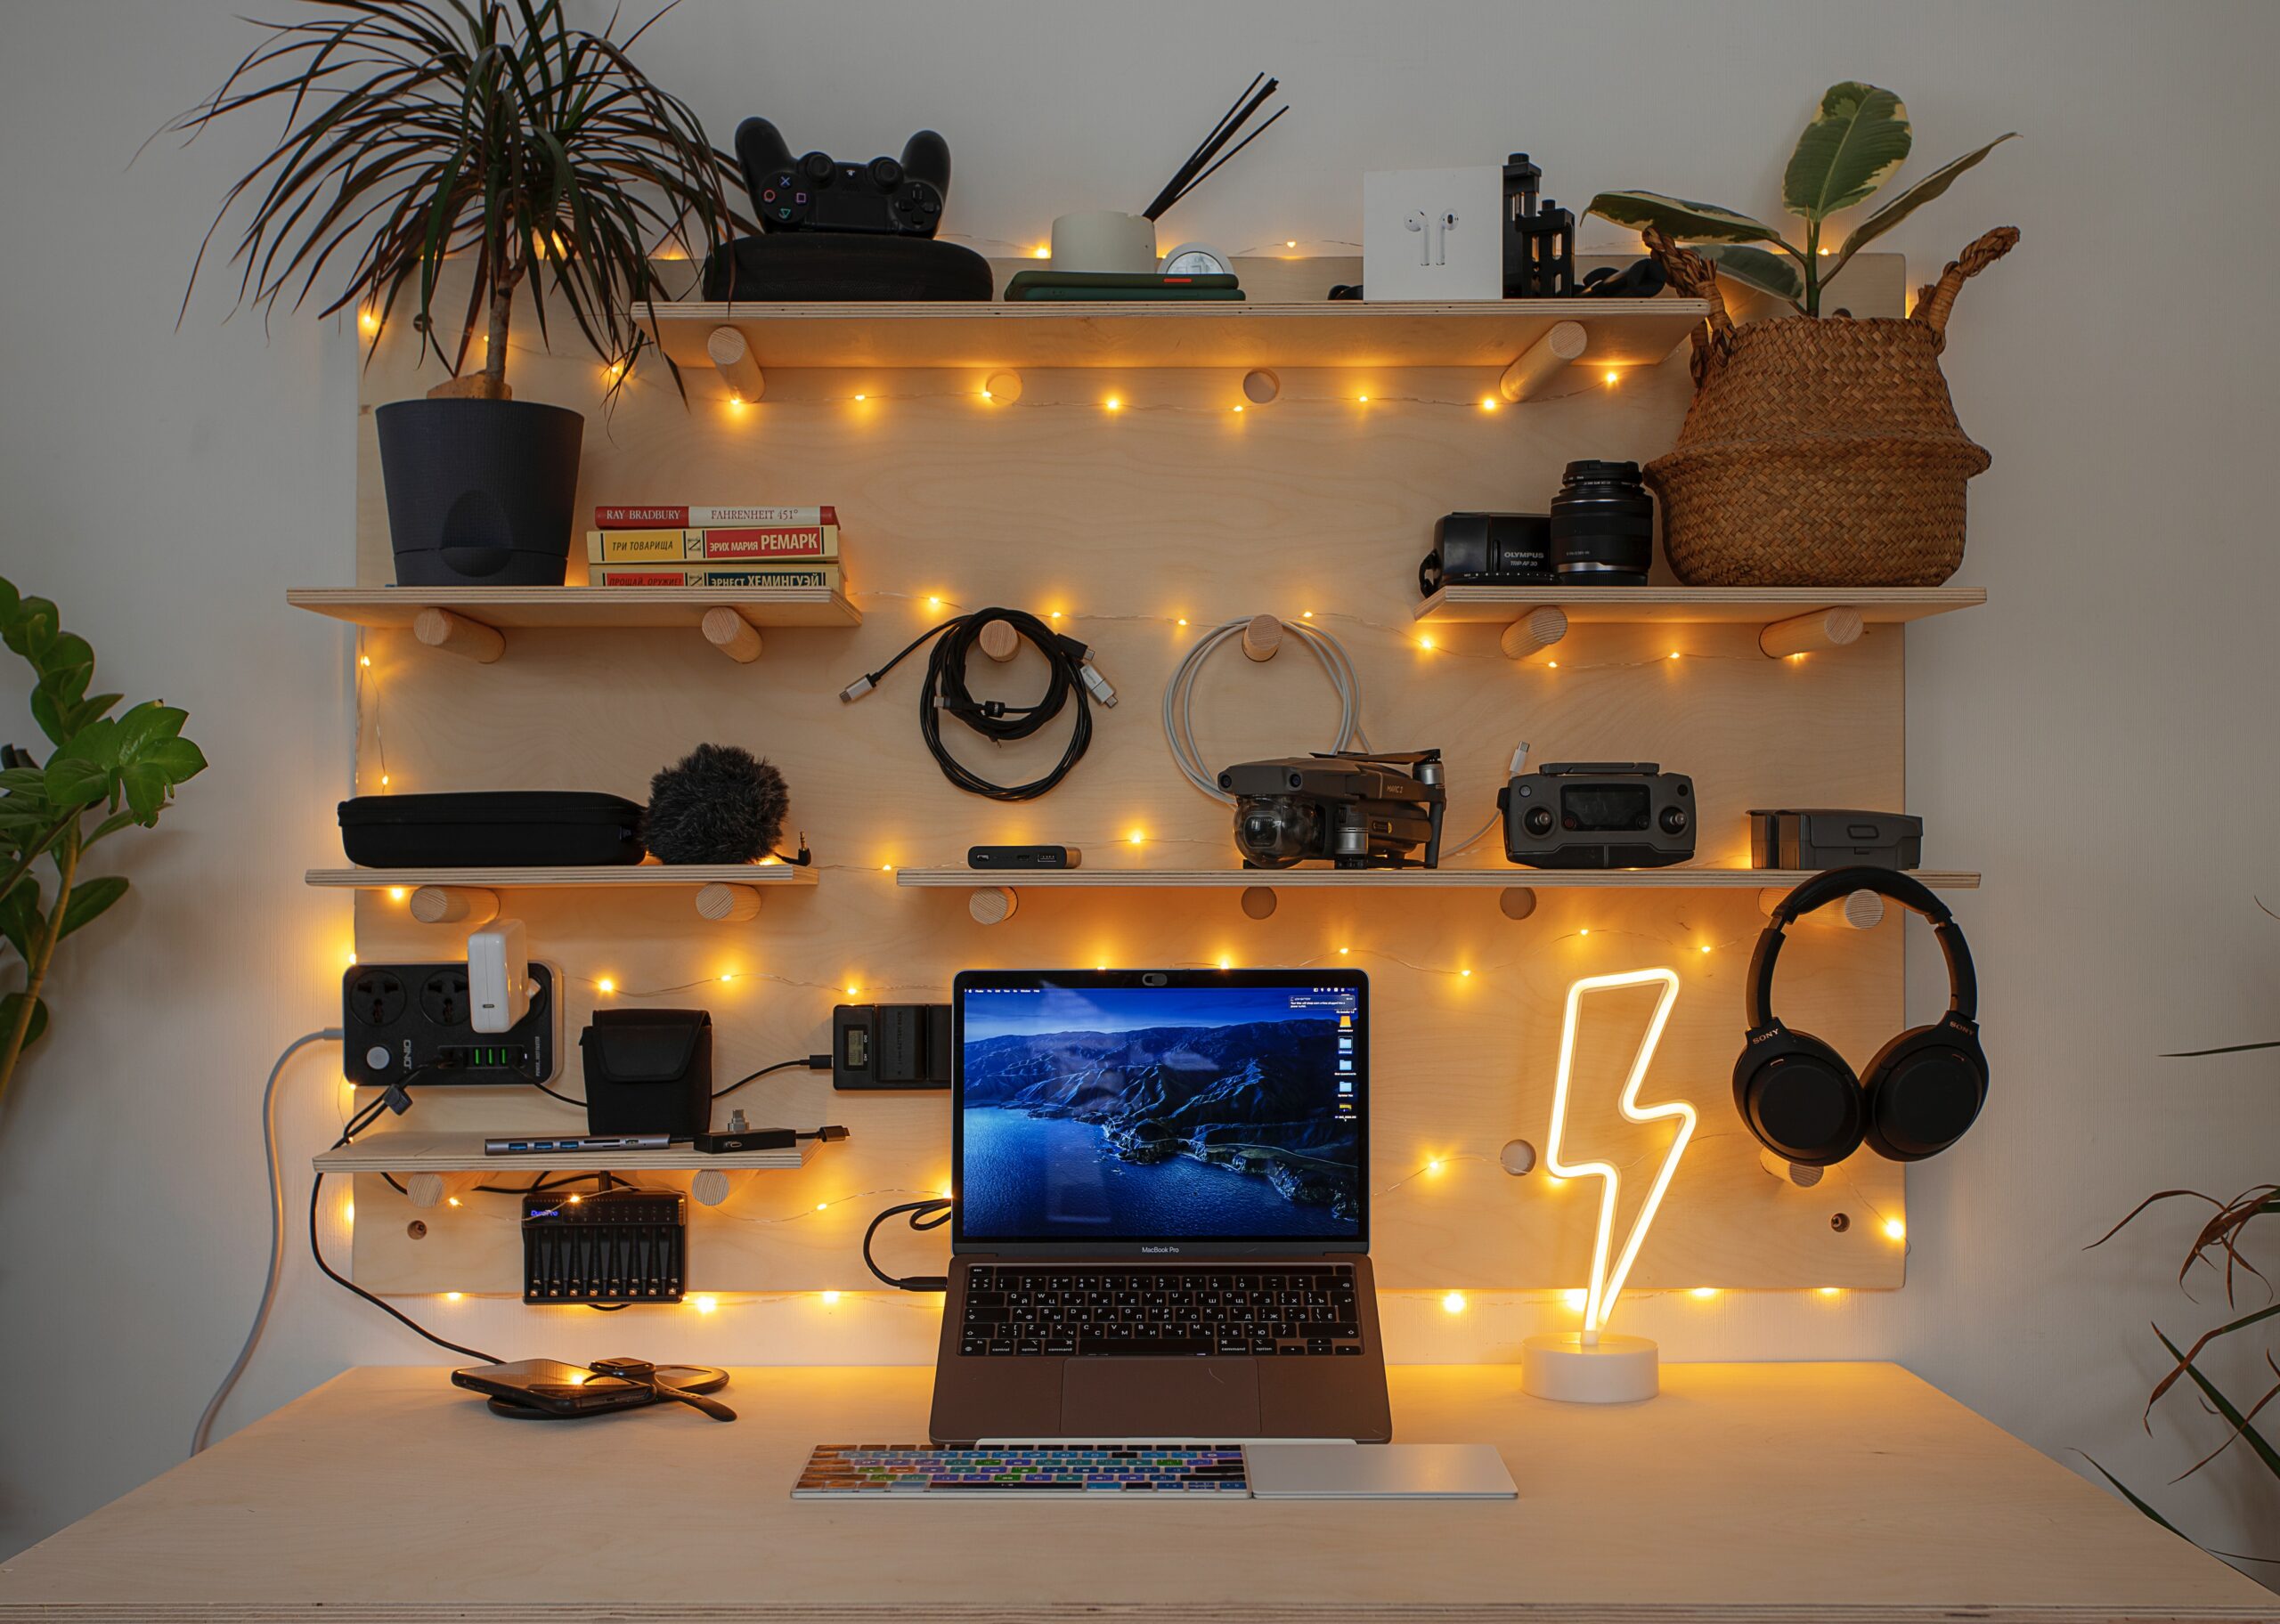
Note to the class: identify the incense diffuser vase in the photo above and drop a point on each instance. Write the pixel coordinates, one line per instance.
(1102, 239)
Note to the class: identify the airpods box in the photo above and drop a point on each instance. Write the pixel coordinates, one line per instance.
(1433, 233)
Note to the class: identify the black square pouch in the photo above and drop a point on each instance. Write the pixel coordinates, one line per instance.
(648, 1071)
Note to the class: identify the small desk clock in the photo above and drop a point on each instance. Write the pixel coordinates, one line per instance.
(1195, 259)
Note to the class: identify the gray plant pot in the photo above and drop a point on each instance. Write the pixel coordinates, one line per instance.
(481, 493)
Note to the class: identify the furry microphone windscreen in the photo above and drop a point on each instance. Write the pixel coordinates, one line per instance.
(718, 804)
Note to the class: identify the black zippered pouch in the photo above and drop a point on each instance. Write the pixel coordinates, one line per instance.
(491, 829)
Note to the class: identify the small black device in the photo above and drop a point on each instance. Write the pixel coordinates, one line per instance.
(414, 1023)
(648, 1071)
(734, 1140)
(614, 1246)
(886, 197)
(548, 1390)
(1642, 278)
(1599, 815)
(891, 1046)
(1919, 1095)
(1827, 837)
(1539, 236)
(1488, 549)
(1023, 857)
(1358, 808)
(491, 829)
(1602, 526)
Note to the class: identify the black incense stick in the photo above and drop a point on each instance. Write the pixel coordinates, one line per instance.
(1207, 156)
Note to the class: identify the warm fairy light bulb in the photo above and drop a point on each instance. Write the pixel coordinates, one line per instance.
(1224, 963)
(1306, 614)
(364, 659)
(1705, 1292)
(736, 402)
(1361, 399)
(368, 320)
(934, 602)
(1292, 243)
(452, 1201)
(576, 1200)
(1135, 837)
(727, 976)
(1488, 404)
(947, 1196)
(384, 781)
(352, 960)
(1464, 975)
(1551, 665)
(606, 987)
(823, 1206)
(1433, 1165)
(1705, 947)
(1576, 1297)
(852, 990)
(830, 1298)
(1894, 1228)
(1825, 252)
(453, 1296)
(348, 1210)
(1112, 403)
(1041, 252)
(1238, 409)
(1453, 1302)
(1343, 952)
(1587, 930)
(705, 1302)
(1830, 1291)
(886, 868)
(396, 893)
(1181, 621)
(1611, 376)
(1673, 653)
(1607, 1282)
(862, 397)
(1426, 644)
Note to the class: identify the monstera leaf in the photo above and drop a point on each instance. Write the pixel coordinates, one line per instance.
(1679, 220)
(1754, 267)
(1855, 142)
(1907, 202)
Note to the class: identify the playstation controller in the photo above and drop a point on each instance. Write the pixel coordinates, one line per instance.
(886, 197)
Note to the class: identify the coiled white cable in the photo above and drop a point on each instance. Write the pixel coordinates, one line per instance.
(1179, 697)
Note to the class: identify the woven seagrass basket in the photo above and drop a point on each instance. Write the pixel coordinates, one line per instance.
(1819, 451)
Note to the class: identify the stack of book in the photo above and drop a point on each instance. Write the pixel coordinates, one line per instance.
(714, 547)
(1092, 287)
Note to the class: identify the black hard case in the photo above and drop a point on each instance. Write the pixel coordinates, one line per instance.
(648, 1071)
(491, 829)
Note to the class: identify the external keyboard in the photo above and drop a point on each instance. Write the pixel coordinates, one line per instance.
(1054, 1310)
(903, 1470)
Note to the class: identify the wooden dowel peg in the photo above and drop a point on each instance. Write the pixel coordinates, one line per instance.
(1808, 633)
(1788, 1171)
(1516, 901)
(1861, 911)
(733, 359)
(1262, 636)
(1535, 631)
(455, 634)
(1004, 387)
(720, 901)
(991, 905)
(710, 1187)
(1554, 352)
(454, 904)
(436, 1188)
(1259, 901)
(1261, 386)
(999, 641)
(732, 634)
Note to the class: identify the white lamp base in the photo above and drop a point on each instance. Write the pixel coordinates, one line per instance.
(1614, 1370)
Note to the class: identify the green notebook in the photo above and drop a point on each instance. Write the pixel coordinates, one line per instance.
(1127, 296)
(1119, 286)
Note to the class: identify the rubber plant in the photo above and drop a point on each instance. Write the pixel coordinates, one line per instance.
(105, 773)
(1856, 141)
(2219, 1248)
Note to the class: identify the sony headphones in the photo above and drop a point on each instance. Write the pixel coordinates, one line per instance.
(1920, 1093)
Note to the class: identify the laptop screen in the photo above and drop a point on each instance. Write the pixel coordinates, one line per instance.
(1098, 1108)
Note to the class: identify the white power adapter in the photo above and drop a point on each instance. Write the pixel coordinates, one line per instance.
(499, 982)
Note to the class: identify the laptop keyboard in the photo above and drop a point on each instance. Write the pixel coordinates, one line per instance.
(1055, 1311)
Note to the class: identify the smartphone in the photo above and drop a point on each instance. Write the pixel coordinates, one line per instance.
(554, 1387)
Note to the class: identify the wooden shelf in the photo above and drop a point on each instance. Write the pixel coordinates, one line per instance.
(728, 892)
(1791, 620)
(993, 896)
(470, 621)
(1705, 605)
(412, 1151)
(1321, 333)
(1683, 878)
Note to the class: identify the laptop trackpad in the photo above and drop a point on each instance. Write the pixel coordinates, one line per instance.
(1160, 1398)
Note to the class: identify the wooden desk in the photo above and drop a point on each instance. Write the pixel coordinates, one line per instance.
(1801, 1492)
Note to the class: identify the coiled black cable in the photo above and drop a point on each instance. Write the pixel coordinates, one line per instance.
(929, 1214)
(1070, 674)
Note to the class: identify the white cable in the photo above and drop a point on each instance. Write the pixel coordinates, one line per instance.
(1179, 698)
(197, 1440)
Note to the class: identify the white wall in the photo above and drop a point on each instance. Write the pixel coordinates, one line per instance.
(166, 486)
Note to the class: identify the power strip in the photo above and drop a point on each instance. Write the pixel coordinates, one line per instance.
(417, 1021)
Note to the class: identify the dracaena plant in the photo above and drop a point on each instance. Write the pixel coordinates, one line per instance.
(487, 129)
(104, 774)
(1856, 141)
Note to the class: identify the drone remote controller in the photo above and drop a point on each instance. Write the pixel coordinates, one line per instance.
(886, 197)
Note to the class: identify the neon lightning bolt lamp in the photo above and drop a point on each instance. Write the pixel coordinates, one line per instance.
(1594, 1365)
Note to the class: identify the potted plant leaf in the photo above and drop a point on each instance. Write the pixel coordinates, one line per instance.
(117, 771)
(1820, 450)
(490, 131)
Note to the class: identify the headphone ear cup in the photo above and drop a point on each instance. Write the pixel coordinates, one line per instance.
(1799, 1098)
(1924, 1090)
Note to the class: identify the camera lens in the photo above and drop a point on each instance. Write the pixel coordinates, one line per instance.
(1276, 832)
(1602, 526)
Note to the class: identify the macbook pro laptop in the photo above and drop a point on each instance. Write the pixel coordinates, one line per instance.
(1161, 1228)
